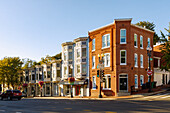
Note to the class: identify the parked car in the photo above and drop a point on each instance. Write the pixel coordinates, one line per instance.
(10, 94)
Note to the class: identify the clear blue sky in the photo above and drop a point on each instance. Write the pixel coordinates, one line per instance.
(34, 28)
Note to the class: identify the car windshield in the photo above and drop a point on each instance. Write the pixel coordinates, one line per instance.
(16, 91)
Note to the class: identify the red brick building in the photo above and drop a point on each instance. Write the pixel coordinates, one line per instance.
(125, 57)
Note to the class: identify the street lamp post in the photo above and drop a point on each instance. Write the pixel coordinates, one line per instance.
(101, 60)
(149, 50)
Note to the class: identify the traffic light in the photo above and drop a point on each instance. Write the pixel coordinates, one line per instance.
(102, 73)
(98, 73)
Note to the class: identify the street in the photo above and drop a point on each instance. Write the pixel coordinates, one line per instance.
(148, 104)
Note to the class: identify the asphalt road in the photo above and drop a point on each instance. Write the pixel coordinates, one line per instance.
(78, 106)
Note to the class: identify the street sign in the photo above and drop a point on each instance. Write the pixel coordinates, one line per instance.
(149, 72)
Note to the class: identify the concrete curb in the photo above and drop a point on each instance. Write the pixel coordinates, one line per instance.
(58, 98)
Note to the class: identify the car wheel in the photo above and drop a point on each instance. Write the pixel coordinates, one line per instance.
(9, 98)
(19, 98)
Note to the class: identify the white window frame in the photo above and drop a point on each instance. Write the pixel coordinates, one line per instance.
(125, 57)
(136, 40)
(141, 78)
(93, 61)
(105, 38)
(136, 85)
(141, 37)
(149, 42)
(105, 58)
(85, 67)
(107, 78)
(93, 82)
(125, 37)
(93, 49)
(141, 60)
(136, 63)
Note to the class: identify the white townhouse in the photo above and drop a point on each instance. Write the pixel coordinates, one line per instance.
(75, 64)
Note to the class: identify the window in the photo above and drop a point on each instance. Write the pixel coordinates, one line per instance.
(83, 43)
(70, 69)
(107, 60)
(83, 68)
(83, 52)
(149, 42)
(69, 47)
(27, 78)
(65, 56)
(58, 73)
(48, 74)
(70, 55)
(123, 36)
(141, 80)
(78, 68)
(106, 40)
(40, 76)
(136, 60)
(122, 57)
(141, 61)
(136, 81)
(107, 82)
(78, 53)
(33, 76)
(94, 82)
(141, 42)
(135, 40)
(65, 70)
(58, 65)
(93, 44)
(93, 62)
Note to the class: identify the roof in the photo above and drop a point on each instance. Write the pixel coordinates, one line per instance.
(157, 47)
(80, 39)
(142, 28)
(67, 43)
(101, 27)
(121, 19)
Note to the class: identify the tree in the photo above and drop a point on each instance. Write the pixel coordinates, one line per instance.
(166, 52)
(9, 70)
(28, 63)
(150, 26)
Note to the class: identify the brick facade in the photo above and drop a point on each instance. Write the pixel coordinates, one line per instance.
(115, 69)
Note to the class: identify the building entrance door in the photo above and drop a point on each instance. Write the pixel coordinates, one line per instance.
(123, 80)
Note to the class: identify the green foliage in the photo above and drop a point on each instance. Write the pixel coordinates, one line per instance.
(28, 63)
(48, 58)
(166, 52)
(150, 26)
(9, 70)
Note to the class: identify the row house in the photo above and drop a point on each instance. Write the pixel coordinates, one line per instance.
(75, 64)
(125, 57)
(162, 77)
(49, 73)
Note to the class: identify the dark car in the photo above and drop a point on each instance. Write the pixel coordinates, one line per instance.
(10, 94)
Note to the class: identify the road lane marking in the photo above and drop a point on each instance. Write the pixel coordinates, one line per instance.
(67, 108)
(86, 110)
(110, 112)
(2, 110)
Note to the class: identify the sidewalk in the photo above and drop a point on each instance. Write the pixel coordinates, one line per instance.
(138, 94)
